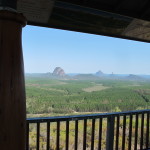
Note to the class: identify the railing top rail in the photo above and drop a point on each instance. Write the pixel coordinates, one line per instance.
(82, 117)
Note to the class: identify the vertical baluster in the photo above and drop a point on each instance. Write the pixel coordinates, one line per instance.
(117, 132)
(130, 132)
(38, 136)
(48, 135)
(124, 133)
(142, 129)
(84, 134)
(76, 134)
(100, 133)
(93, 134)
(58, 135)
(136, 132)
(67, 135)
(147, 132)
(27, 136)
(110, 133)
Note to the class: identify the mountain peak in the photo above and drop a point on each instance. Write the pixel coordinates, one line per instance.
(99, 73)
(58, 71)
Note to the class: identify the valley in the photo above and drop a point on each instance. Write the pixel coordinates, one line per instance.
(53, 97)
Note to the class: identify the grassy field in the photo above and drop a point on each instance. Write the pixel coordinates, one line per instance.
(54, 97)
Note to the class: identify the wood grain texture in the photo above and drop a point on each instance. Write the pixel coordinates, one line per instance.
(12, 86)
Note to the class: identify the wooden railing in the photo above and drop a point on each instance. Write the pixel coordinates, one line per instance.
(110, 131)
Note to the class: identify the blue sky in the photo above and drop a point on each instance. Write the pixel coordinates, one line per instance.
(44, 49)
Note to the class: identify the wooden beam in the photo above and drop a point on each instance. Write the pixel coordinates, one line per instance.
(12, 87)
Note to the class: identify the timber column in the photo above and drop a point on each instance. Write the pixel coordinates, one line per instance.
(12, 86)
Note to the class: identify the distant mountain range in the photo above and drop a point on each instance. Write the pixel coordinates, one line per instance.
(59, 73)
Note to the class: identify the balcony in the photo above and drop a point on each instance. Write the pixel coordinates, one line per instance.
(110, 131)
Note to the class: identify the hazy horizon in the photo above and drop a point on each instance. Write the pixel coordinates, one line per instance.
(85, 73)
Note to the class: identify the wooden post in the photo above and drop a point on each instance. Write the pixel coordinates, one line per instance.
(12, 88)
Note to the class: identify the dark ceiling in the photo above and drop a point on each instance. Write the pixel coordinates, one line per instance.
(133, 8)
(128, 19)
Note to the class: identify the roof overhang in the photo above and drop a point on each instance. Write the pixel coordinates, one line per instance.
(128, 19)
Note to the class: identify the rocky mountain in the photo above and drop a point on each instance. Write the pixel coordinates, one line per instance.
(58, 71)
(99, 73)
(134, 77)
